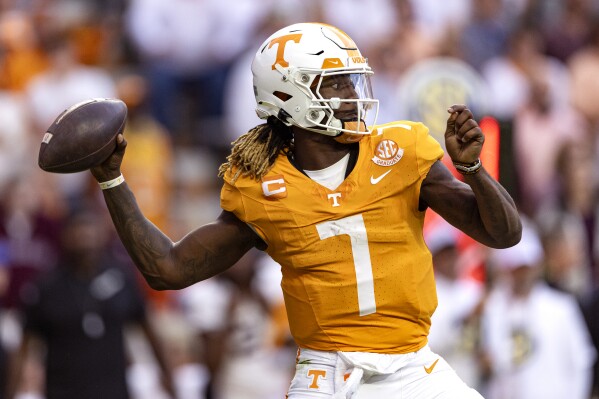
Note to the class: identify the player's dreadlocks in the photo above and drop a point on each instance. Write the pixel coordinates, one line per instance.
(254, 153)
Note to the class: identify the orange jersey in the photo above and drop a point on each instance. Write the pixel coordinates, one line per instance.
(357, 275)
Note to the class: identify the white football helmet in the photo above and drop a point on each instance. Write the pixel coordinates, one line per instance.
(289, 70)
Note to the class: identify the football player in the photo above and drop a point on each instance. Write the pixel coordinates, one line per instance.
(339, 203)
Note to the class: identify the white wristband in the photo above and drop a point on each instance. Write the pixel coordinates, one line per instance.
(112, 183)
(468, 169)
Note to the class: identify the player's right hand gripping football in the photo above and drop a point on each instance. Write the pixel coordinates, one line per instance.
(111, 167)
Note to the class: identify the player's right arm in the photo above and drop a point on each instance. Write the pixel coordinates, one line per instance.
(165, 264)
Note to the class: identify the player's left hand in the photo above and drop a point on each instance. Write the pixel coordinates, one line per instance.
(463, 137)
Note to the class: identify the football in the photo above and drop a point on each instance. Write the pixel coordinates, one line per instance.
(82, 136)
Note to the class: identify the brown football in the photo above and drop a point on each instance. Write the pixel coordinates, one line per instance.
(82, 136)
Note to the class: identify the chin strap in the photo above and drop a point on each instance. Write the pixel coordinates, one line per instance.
(354, 126)
(358, 126)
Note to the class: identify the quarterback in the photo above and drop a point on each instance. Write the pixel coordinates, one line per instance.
(339, 202)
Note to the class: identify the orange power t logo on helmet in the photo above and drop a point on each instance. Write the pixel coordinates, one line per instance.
(282, 42)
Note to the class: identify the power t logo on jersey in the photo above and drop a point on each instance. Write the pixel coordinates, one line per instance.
(334, 198)
(387, 153)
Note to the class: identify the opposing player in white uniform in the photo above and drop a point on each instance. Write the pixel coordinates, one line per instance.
(339, 203)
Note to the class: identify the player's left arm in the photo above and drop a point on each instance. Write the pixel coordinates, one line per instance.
(479, 206)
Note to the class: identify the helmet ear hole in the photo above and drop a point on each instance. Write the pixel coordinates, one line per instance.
(282, 96)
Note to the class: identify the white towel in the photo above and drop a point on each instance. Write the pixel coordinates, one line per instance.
(363, 365)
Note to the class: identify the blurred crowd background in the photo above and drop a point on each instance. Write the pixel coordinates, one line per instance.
(77, 321)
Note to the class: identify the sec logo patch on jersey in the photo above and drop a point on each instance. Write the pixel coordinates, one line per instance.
(387, 153)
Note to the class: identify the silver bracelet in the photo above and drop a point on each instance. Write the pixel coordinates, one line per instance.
(112, 183)
(468, 169)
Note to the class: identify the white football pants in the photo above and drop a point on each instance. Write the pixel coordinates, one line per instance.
(358, 375)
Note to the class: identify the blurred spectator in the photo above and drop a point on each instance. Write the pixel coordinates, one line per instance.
(590, 307)
(239, 100)
(95, 25)
(484, 35)
(509, 75)
(78, 311)
(172, 40)
(541, 124)
(15, 136)
(535, 337)
(195, 189)
(65, 82)
(570, 30)
(454, 325)
(393, 56)
(181, 347)
(233, 319)
(23, 57)
(29, 234)
(566, 265)
(576, 203)
(440, 20)
(186, 48)
(584, 65)
(538, 13)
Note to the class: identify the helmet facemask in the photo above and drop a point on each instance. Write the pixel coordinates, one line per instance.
(341, 103)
